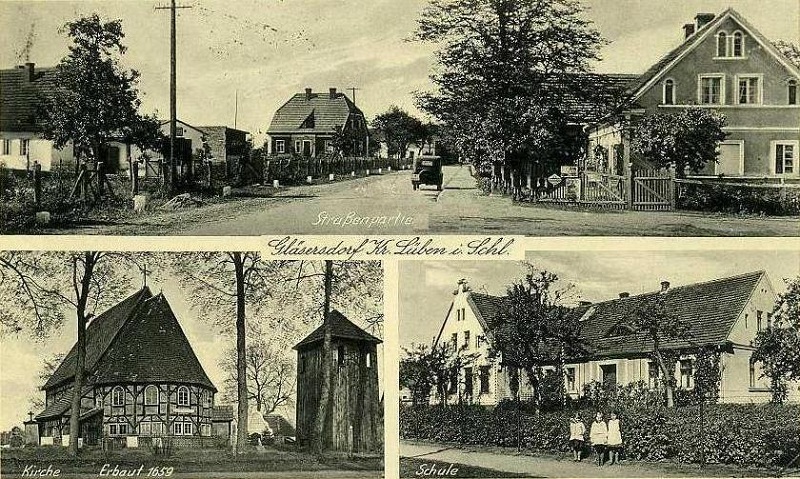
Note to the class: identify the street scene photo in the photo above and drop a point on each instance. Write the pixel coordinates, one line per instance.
(534, 117)
(198, 364)
(601, 364)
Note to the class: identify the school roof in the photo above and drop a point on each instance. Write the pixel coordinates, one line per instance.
(19, 96)
(139, 340)
(341, 327)
(327, 111)
(710, 308)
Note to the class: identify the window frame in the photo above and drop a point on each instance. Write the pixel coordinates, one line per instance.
(668, 85)
(298, 146)
(205, 430)
(732, 48)
(791, 92)
(484, 375)
(207, 399)
(467, 337)
(721, 40)
(759, 94)
(795, 144)
(178, 401)
(24, 146)
(118, 400)
(686, 373)
(151, 387)
(722, 92)
(570, 378)
(6, 147)
(280, 146)
(469, 383)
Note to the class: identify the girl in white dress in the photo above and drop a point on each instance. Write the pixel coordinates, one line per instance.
(577, 431)
(614, 439)
(598, 434)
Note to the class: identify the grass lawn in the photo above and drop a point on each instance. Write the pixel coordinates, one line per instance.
(14, 461)
(411, 467)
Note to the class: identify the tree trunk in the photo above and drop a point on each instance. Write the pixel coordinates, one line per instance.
(83, 296)
(665, 373)
(324, 396)
(241, 364)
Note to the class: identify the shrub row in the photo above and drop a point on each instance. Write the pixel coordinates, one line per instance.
(748, 435)
(740, 199)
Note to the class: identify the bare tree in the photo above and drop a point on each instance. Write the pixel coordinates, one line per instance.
(270, 375)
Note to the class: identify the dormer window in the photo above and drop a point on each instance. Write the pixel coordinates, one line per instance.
(669, 91)
(620, 329)
(722, 44)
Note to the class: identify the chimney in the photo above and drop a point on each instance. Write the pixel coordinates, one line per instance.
(701, 19)
(31, 70)
(333, 93)
(463, 285)
(688, 30)
(308, 93)
(664, 286)
(624, 294)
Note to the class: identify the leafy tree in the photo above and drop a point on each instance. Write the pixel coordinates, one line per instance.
(49, 366)
(506, 72)
(532, 329)
(417, 371)
(682, 141)
(38, 288)
(346, 141)
(708, 374)
(790, 50)
(778, 346)
(659, 324)
(97, 101)
(399, 129)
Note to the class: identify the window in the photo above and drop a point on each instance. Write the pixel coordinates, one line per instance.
(686, 371)
(738, 44)
(468, 381)
(669, 92)
(745, 320)
(145, 428)
(182, 428)
(118, 396)
(749, 91)
(24, 147)
(328, 146)
(178, 131)
(785, 156)
(757, 381)
(711, 90)
(340, 356)
(769, 320)
(302, 364)
(569, 374)
(151, 396)
(280, 146)
(208, 399)
(6, 147)
(722, 44)
(112, 429)
(183, 396)
(369, 360)
(791, 93)
(453, 381)
(298, 146)
(205, 430)
(480, 340)
(123, 429)
(466, 339)
(608, 373)
(758, 320)
(484, 379)
(454, 340)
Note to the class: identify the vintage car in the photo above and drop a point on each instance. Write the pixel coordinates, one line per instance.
(427, 171)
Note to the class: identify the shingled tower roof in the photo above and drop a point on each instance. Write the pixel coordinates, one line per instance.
(341, 327)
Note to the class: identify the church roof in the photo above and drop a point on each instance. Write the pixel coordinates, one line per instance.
(341, 327)
(137, 341)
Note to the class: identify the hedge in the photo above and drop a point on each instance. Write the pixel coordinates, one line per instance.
(749, 435)
(739, 199)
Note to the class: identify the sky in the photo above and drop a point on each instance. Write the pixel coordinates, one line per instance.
(266, 50)
(426, 287)
(21, 358)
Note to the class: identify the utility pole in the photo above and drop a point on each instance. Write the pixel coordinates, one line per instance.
(235, 108)
(173, 114)
(353, 90)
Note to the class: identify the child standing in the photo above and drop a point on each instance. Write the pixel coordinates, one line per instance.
(599, 437)
(614, 439)
(577, 431)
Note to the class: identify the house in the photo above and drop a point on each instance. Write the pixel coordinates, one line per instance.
(355, 415)
(143, 380)
(308, 123)
(20, 141)
(724, 314)
(225, 146)
(723, 63)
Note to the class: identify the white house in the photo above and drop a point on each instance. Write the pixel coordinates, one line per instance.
(723, 313)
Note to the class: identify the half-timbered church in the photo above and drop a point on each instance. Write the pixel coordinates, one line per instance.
(143, 380)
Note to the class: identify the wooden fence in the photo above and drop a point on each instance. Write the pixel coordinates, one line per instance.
(645, 190)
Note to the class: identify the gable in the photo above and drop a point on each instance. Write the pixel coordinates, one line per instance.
(697, 55)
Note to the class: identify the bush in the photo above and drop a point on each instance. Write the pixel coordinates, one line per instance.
(737, 199)
(749, 435)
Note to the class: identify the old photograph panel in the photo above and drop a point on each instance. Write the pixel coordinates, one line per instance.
(534, 117)
(613, 363)
(206, 364)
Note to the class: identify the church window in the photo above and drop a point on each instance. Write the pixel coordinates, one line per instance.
(118, 396)
(369, 360)
(151, 395)
(183, 396)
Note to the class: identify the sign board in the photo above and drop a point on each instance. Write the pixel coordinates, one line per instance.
(568, 170)
(554, 179)
(427, 163)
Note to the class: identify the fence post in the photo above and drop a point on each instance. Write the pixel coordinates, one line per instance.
(84, 175)
(37, 183)
(630, 186)
(100, 179)
(135, 177)
(673, 191)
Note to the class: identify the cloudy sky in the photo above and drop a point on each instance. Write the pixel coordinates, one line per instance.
(426, 288)
(269, 49)
(21, 358)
